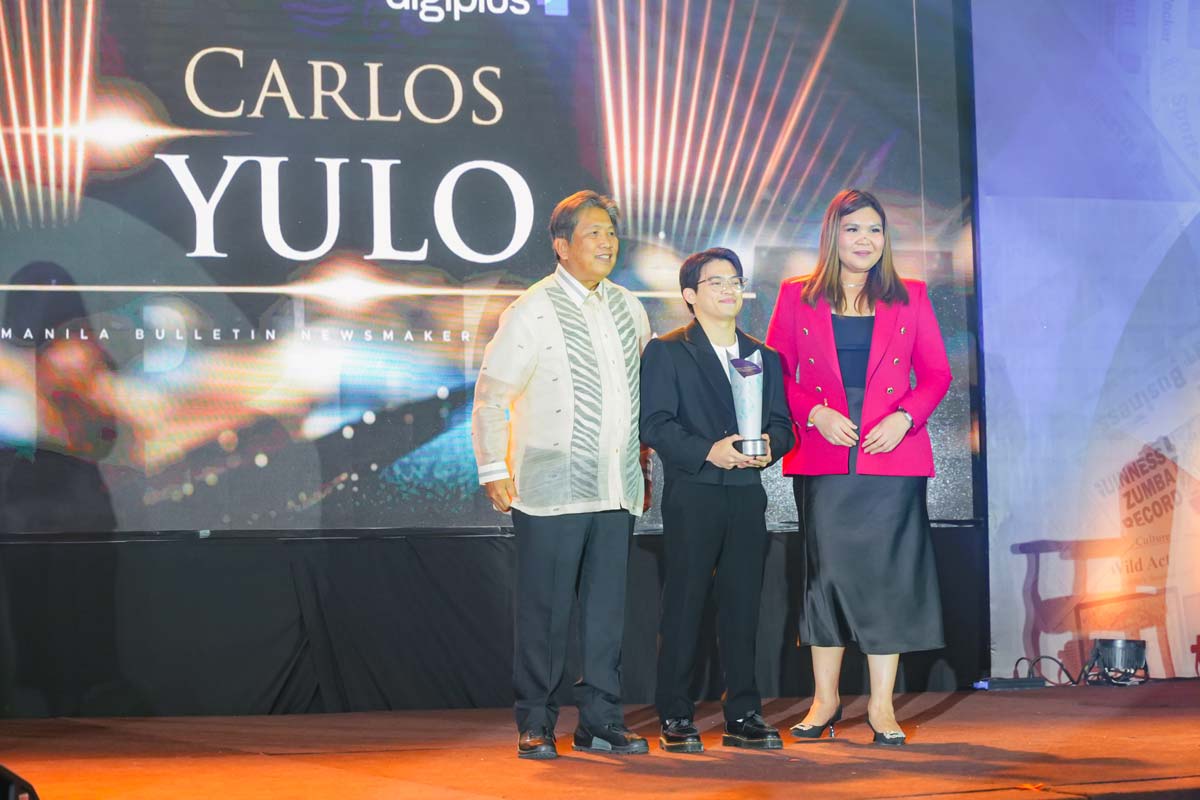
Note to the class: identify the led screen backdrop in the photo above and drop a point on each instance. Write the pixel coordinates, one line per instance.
(277, 234)
(1090, 187)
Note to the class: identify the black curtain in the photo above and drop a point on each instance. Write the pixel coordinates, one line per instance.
(293, 625)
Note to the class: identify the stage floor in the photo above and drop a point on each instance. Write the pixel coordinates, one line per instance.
(1089, 742)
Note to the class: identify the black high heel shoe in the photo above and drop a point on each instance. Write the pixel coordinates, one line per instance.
(803, 730)
(891, 738)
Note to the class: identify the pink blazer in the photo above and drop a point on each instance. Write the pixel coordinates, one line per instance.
(906, 340)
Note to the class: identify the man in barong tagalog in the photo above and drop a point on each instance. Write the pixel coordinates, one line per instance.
(713, 502)
(566, 462)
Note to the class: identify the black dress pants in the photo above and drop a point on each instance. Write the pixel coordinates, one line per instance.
(711, 535)
(561, 559)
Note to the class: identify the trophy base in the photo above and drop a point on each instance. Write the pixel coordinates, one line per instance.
(752, 447)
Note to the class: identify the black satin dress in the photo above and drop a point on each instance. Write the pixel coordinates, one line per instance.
(870, 576)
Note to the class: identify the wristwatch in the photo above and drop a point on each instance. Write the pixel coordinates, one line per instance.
(908, 417)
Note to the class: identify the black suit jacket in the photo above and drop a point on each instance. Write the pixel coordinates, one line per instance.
(687, 405)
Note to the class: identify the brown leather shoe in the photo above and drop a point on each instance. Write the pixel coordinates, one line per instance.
(536, 743)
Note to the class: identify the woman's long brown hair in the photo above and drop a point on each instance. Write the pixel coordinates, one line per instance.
(883, 284)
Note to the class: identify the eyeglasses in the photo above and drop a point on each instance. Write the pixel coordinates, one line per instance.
(720, 284)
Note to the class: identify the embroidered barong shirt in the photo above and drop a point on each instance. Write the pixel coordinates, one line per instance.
(557, 400)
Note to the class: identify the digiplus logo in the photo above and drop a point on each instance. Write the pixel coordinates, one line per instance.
(439, 10)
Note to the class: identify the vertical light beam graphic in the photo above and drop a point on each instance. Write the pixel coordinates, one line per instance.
(64, 139)
(773, 196)
(714, 100)
(668, 173)
(610, 128)
(697, 74)
(656, 140)
(681, 173)
(7, 169)
(738, 149)
(798, 104)
(47, 54)
(641, 116)
(85, 91)
(756, 148)
(48, 104)
(10, 92)
(31, 105)
(733, 103)
(626, 114)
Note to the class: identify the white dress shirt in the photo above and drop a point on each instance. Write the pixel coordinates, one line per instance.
(557, 400)
(725, 355)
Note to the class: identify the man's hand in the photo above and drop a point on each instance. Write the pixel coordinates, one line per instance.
(758, 462)
(724, 455)
(501, 493)
(835, 426)
(884, 437)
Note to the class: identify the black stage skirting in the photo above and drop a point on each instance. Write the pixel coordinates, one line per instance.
(190, 625)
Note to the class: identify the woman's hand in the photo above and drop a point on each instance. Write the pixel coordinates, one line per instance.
(835, 426)
(890, 431)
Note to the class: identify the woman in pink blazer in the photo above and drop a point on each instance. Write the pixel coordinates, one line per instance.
(852, 336)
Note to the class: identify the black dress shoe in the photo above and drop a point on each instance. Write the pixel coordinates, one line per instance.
(753, 732)
(537, 743)
(804, 730)
(612, 738)
(890, 738)
(680, 736)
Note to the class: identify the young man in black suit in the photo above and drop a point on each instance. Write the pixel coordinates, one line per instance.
(713, 502)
